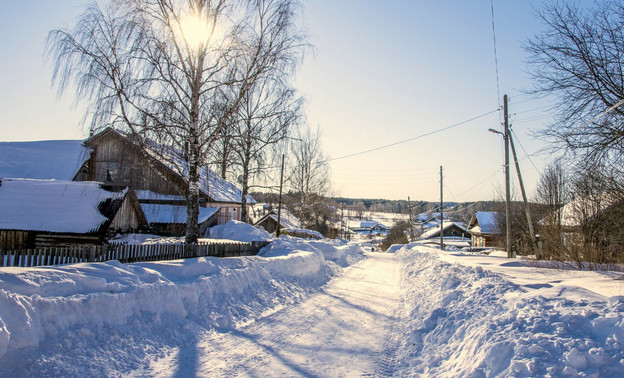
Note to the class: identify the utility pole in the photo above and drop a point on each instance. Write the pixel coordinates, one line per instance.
(409, 219)
(342, 228)
(524, 197)
(279, 207)
(441, 210)
(510, 253)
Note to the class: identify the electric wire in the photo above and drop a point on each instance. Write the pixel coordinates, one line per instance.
(414, 138)
(495, 54)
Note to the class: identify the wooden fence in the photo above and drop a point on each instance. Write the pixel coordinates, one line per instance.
(124, 253)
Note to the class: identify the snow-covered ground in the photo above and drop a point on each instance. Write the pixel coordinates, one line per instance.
(313, 308)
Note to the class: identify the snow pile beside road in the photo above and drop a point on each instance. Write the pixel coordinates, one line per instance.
(77, 319)
(342, 253)
(240, 231)
(467, 321)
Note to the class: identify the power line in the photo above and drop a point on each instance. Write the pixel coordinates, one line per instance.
(495, 54)
(414, 138)
(525, 152)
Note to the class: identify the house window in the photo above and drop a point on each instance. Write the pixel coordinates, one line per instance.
(111, 171)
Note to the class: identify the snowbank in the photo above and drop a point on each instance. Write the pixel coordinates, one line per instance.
(339, 252)
(467, 321)
(240, 231)
(60, 318)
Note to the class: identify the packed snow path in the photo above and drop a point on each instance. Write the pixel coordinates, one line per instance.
(345, 330)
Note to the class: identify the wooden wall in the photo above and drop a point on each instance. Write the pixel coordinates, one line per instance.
(116, 161)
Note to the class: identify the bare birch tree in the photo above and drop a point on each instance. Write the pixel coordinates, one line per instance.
(579, 60)
(309, 174)
(264, 118)
(170, 71)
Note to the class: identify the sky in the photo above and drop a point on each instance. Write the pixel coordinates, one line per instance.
(378, 74)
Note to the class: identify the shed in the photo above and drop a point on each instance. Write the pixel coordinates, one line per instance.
(171, 219)
(41, 213)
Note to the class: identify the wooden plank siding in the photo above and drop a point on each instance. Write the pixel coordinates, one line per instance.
(117, 161)
(124, 253)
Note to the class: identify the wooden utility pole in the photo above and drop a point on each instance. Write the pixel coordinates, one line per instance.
(342, 228)
(409, 219)
(279, 206)
(524, 197)
(510, 253)
(441, 210)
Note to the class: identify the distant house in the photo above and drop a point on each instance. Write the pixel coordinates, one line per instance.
(453, 234)
(269, 221)
(157, 173)
(451, 229)
(483, 229)
(371, 227)
(43, 213)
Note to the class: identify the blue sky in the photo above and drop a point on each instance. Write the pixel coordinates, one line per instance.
(380, 72)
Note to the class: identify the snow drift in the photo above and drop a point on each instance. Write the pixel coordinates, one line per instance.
(86, 308)
(467, 321)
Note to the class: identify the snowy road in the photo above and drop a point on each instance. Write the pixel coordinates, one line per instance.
(347, 329)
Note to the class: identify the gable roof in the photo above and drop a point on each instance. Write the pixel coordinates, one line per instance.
(210, 184)
(77, 207)
(436, 230)
(372, 224)
(484, 222)
(287, 220)
(48, 159)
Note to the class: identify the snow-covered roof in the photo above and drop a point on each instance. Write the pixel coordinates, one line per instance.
(302, 232)
(149, 195)
(486, 222)
(155, 213)
(217, 188)
(55, 205)
(48, 159)
(221, 190)
(287, 219)
(436, 230)
(371, 224)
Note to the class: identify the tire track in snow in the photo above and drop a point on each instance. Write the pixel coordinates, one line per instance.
(348, 329)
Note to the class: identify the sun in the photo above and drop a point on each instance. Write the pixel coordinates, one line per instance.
(195, 30)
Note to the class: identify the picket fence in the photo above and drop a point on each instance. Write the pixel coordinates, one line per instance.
(125, 253)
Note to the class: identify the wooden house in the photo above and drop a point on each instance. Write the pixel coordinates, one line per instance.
(269, 221)
(157, 172)
(453, 233)
(43, 213)
(483, 229)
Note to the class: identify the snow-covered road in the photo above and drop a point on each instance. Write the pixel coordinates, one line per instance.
(313, 308)
(345, 330)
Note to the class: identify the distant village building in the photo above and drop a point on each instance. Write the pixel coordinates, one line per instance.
(454, 234)
(483, 229)
(371, 228)
(269, 221)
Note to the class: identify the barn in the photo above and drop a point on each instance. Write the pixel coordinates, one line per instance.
(38, 213)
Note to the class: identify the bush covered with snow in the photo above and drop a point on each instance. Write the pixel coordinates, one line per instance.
(240, 231)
